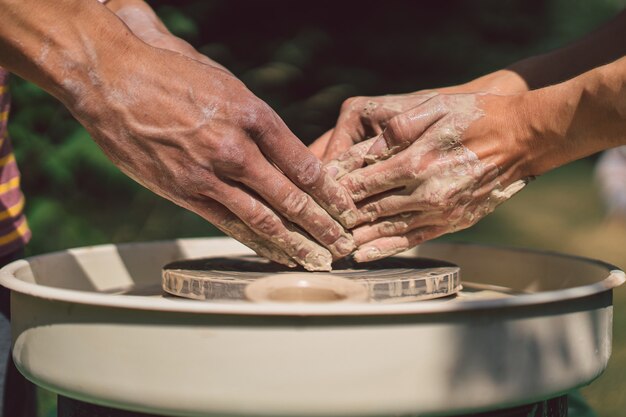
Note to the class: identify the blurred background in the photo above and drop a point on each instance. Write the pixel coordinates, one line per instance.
(304, 60)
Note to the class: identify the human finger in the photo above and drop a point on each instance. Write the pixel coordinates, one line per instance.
(270, 226)
(295, 205)
(362, 118)
(380, 177)
(387, 246)
(404, 129)
(394, 226)
(350, 160)
(299, 164)
(228, 223)
(388, 204)
(349, 128)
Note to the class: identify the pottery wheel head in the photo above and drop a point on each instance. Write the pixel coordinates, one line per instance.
(254, 279)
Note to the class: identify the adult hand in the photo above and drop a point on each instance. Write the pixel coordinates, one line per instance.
(196, 135)
(146, 25)
(436, 168)
(362, 118)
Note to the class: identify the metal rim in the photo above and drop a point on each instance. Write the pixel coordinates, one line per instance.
(614, 278)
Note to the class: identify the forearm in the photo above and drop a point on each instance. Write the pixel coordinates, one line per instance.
(574, 119)
(64, 46)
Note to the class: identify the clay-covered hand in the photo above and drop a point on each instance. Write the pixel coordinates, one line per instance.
(196, 135)
(361, 118)
(436, 168)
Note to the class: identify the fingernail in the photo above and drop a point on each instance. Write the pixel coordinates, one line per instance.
(320, 260)
(275, 256)
(349, 218)
(368, 213)
(367, 254)
(377, 150)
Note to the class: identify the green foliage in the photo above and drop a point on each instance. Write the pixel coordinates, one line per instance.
(303, 64)
(304, 60)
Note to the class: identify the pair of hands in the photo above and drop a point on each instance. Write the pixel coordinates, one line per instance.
(417, 165)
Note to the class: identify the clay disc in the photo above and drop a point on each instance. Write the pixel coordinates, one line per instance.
(251, 278)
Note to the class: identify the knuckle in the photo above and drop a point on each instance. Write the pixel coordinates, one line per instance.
(255, 115)
(372, 210)
(434, 200)
(265, 222)
(356, 187)
(448, 138)
(351, 103)
(196, 181)
(208, 184)
(296, 203)
(388, 228)
(231, 156)
(330, 234)
(409, 167)
(310, 171)
(447, 132)
(396, 129)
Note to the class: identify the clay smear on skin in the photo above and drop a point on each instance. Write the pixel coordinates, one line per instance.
(457, 172)
(464, 175)
(301, 249)
(242, 233)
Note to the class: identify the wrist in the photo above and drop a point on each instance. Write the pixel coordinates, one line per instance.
(576, 118)
(538, 122)
(501, 82)
(501, 136)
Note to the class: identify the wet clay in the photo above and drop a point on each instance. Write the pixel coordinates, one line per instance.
(391, 280)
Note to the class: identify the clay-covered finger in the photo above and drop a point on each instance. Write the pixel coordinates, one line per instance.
(296, 206)
(387, 246)
(395, 226)
(350, 160)
(228, 223)
(266, 223)
(389, 204)
(299, 164)
(349, 128)
(383, 176)
(404, 129)
(365, 117)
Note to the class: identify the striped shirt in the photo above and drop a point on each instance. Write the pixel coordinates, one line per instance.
(14, 231)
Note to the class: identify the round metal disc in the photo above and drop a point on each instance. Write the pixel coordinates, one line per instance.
(251, 278)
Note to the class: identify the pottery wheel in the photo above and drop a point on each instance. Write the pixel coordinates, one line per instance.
(251, 278)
